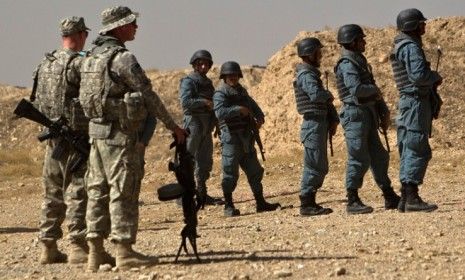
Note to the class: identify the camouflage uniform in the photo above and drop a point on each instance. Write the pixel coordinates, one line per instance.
(114, 172)
(55, 93)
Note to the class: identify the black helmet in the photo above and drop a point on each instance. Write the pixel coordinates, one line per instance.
(348, 33)
(409, 19)
(308, 46)
(230, 67)
(203, 54)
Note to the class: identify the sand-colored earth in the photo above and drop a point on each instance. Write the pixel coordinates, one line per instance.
(381, 245)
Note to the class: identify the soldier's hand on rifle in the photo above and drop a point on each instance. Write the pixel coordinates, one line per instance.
(244, 111)
(385, 121)
(332, 128)
(180, 134)
(209, 104)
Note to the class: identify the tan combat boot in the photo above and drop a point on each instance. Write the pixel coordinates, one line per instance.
(127, 258)
(50, 253)
(78, 252)
(97, 255)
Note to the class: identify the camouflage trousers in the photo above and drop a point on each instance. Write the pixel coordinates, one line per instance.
(64, 196)
(113, 182)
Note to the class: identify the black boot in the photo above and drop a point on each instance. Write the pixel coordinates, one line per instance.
(355, 205)
(262, 205)
(208, 200)
(403, 198)
(308, 206)
(229, 209)
(414, 202)
(391, 199)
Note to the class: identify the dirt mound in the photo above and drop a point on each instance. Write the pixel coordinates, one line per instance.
(276, 97)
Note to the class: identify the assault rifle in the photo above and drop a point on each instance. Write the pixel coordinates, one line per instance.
(330, 137)
(382, 130)
(256, 135)
(183, 168)
(436, 100)
(57, 130)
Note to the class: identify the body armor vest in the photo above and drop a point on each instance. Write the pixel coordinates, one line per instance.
(101, 97)
(53, 94)
(365, 74)
(302, 100)
(235, 97)
(398, 68)
(204, 89)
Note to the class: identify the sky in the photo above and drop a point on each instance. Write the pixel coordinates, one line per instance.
(247, 31)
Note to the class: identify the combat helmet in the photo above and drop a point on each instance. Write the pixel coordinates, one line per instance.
(409, 19)
(201, 54)
(230, 67)
(348, 33)
(308, 46)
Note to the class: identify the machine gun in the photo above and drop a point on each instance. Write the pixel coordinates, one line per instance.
(183, 168)
(57, 130)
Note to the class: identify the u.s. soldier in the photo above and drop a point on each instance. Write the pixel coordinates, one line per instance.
(55, 94)
(117, 96)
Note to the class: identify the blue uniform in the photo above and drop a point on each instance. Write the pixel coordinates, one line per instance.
(195, 90)
(237, 139)
(360, 120)
(314, 103)
(415, 82)
(145, 134)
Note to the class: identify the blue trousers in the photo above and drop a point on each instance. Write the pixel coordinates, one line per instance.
(314, 137)
(413, 127)
(364, 147)
(233, 156)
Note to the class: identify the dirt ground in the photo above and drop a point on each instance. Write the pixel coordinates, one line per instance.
(381, 245)
(281, 244)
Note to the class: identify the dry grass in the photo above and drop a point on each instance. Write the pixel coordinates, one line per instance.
(18, 161)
